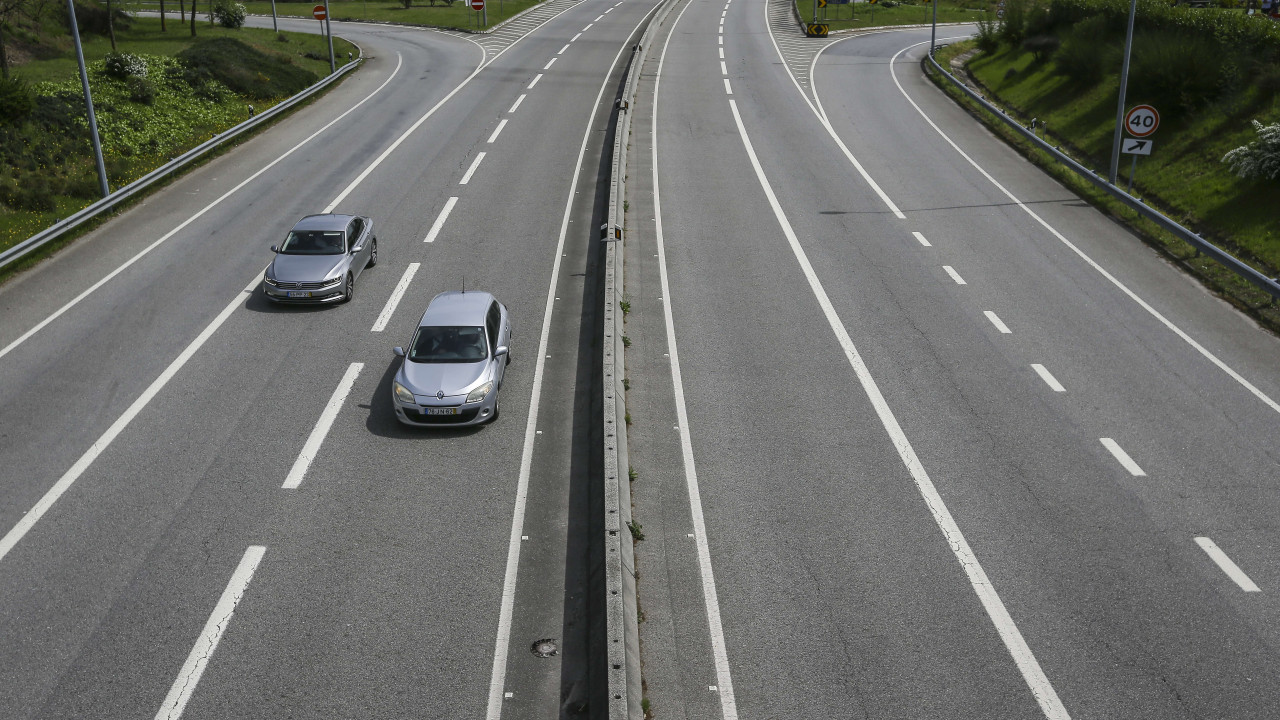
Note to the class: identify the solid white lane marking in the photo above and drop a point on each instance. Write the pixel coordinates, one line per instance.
(439, 223)
(1123, 457)
(474, 164)
(1048, 377)
(566, 47)
(142, 253)
(502, 642)
(719, 649)
(997, 322)
(516, 104)
(723, 70)
(176, 701)
(550, 62)
(921, 239)
(728, 90)
(954, 275)
(1266, 399)
(321, 430)
(385, 316)
(575, 37)
(1008, 630)
(1229, 567)
(535, 81)
(501, 124)
(102, 443)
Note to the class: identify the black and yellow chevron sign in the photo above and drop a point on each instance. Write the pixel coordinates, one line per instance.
(822, 3)
(816, 29)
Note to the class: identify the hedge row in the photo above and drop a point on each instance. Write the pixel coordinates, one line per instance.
(1232, 32)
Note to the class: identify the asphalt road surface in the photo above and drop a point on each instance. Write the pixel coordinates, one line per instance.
(153, 404)
(917, 433)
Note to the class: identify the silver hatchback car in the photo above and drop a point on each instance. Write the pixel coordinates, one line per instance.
(320, 259)
(455, 363)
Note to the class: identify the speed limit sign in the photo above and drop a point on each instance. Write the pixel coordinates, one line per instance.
(1141, 120)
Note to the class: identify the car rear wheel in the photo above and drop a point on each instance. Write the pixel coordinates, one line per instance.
(373, 254)
(349, 292)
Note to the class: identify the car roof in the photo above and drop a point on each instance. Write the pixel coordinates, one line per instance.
(323, 222)
(457, 308)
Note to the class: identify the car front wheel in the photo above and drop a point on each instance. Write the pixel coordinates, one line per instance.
(349, 292)
(373, 254)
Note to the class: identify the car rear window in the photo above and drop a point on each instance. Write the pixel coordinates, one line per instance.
(446, 344)
(314, 242)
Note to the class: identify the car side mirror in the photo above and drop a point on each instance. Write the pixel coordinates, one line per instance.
(399, 351)
(274, 249)
(356, 249)
(500, 351)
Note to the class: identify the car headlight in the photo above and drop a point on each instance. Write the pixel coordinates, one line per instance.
(331, 282)
(270, 281)
(403, 394)
(479, 393)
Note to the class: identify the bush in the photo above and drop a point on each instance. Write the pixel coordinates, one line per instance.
(142, 91)
(229, 14)
(125, 65)
(988, 34)
(28, 191)
(1041, 46)
(1258, 159)
(1013, 25)
(1082, 57)
(1177, 73)
(16, 102)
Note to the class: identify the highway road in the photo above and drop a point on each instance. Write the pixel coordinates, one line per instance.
(917, 433)
(208, 508)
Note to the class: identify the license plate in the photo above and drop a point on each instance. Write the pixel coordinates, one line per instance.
(442, 411)
(299, 293)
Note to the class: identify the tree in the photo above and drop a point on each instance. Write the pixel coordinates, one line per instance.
(1258, 159)
(162, 25)
(111, 24)
(8, 9)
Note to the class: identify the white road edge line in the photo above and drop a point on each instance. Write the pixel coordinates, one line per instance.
(995, 320)
(1227, 566)
(1119, 453)
(321, 430)
(176, 701)
(88, 291)
(501, 124)
(100, 445)
(920, 237)
(710, 596)
(502, 641)
(1048, 377)
(1090, 261)
(471, 170)
(1026, 661)
(516, 104)
(954, 275)
(392, 302)
(439, 223)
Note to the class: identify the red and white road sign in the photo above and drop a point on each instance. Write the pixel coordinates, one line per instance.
(1141, 120)
(318, 13)
(477, 4)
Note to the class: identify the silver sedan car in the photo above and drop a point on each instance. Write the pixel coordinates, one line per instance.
(320, 259)
(455, 363)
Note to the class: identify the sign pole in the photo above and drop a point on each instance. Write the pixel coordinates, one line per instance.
(1124, 83)
(1132, 169)
(88, 100)
(328, 30)
(274, 23)
(933, 34)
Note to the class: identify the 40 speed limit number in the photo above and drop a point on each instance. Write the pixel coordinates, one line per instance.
(1141, 120)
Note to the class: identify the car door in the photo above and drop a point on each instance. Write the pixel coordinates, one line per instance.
(493, 324)
(357, 245)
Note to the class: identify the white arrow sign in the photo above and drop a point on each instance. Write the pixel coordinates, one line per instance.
(1136, 147)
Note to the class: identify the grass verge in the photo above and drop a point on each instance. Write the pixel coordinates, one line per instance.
(458, 15)
(864, 15)
(1217, 278)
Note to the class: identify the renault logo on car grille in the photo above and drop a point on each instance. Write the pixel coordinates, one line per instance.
(439, 394)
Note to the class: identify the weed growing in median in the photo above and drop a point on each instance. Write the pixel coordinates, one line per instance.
(637, 530)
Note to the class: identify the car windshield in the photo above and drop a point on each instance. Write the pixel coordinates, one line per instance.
(314, 242)
(448, 345)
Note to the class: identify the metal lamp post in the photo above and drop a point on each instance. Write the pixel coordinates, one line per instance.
(1124, 86)
(88, 100)
(328, 30)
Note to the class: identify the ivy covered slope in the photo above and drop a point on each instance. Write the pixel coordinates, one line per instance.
(1212, 73)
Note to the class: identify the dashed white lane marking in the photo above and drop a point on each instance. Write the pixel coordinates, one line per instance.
(721, 53)
(389, 309)
(723, 13)
(1232, 570)
(598, 18)
(588, 27)
(100, 445)
(1048, 377)
(176, 701)
(1004, 329)
(606, 12)
(1008, 630)
(728, 89)
(720, 39)
(954, 275)
(566, 47)
(550, 62)
(921, 239)
(439, 223)
(721, 21)
(321, 430)
(497, 130)
(575, 37)
(535, 81)
(516, 104)
(474, 164)
(1123, 457)
(723, 70)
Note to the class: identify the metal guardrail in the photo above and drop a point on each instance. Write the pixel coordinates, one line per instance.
(622, 629)
(109, 202)
(1253, 276)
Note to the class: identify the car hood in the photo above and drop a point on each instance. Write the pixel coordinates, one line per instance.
(452, 378)
(306, 268)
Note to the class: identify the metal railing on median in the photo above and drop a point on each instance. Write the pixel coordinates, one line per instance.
(1269, 285)
(111, 201)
